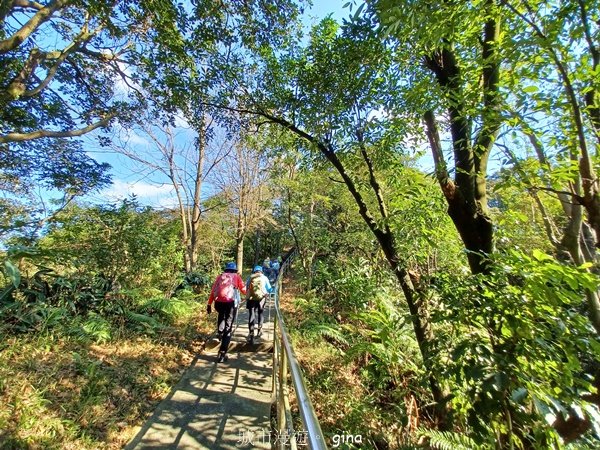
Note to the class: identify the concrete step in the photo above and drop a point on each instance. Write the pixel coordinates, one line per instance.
(212, 346)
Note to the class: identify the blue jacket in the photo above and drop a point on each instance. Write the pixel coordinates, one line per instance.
(265, 284)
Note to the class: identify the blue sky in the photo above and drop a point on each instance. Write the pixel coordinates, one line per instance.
(150, 187)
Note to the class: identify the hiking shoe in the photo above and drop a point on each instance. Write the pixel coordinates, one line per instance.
(222, 357)
(259, 334)
(250, 336)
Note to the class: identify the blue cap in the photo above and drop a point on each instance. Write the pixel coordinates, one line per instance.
(257, 269)
(231, 266)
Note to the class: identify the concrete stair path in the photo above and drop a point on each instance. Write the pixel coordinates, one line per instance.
(218, 405)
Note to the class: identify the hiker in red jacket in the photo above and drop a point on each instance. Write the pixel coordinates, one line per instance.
(226, 300)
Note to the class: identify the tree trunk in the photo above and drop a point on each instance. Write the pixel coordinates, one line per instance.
(239, 246)
(414, 298)
(196, 210)
(257, 247)
(476, 231)
(240, 234)
(416, 305)
(421, 325)
(466, 196)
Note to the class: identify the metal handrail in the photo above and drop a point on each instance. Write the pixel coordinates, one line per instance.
(284, 358)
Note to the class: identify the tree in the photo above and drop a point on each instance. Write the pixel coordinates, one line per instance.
(459, 45)
(566, 138)
(307, 199)
(242, 179)
(331, 95)
(183, 61)
(554, 35)
(61, 62)
(126, 244)
(186, 167)
(68, 88)
(27, 179)
(500, 64)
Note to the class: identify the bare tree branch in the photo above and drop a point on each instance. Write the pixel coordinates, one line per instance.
(441, 168)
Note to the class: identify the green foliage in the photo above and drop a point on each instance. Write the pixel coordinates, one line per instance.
(330, 333)
(427, 238)
(357, 285)
(514, 345)
(360, 314)
(87, 314)
(126, 244)
(196, 278)
(447, 440)
(12, 272)
(95, 328)
(520, 353)
(385, 341)
(142, 322)
(117, 250)
(167, 308)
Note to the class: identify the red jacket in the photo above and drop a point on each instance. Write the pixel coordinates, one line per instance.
(223, 287)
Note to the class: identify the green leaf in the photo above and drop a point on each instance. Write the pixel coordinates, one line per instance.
(541, 256)
(5, 294)
(519, 394)
(13, 273)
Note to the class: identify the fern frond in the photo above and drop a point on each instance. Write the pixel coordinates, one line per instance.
(449, 440)
(171, 308)
(96, 328)
(331, 333)
(142, 319)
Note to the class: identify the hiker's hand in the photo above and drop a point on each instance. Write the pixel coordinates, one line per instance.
(208, 309)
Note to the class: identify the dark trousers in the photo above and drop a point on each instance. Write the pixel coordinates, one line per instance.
(227, 312)
(255, 310)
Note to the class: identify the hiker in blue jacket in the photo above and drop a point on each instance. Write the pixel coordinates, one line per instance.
(258, 288)
(266, 267)
(275, 266)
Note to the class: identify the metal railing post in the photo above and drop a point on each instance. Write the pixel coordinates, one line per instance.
(284, 361)
(276, 352)
(271, 306)
(281, 419)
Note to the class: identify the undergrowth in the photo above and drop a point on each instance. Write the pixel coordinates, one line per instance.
(85, 380)
(361, 383)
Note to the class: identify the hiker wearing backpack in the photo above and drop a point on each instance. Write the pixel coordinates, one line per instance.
(266, 267)
(275, 266)
(258, 288)
(225, 294)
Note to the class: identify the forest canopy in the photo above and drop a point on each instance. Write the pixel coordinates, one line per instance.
(433, 163)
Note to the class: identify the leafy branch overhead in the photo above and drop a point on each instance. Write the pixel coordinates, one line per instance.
(433, 163)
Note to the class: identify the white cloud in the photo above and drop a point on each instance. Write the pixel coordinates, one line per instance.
(121, 86)
(167, 202)
(129, 137)
(135, 139)
(181, 122)
(123, 81)
(154, 194)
